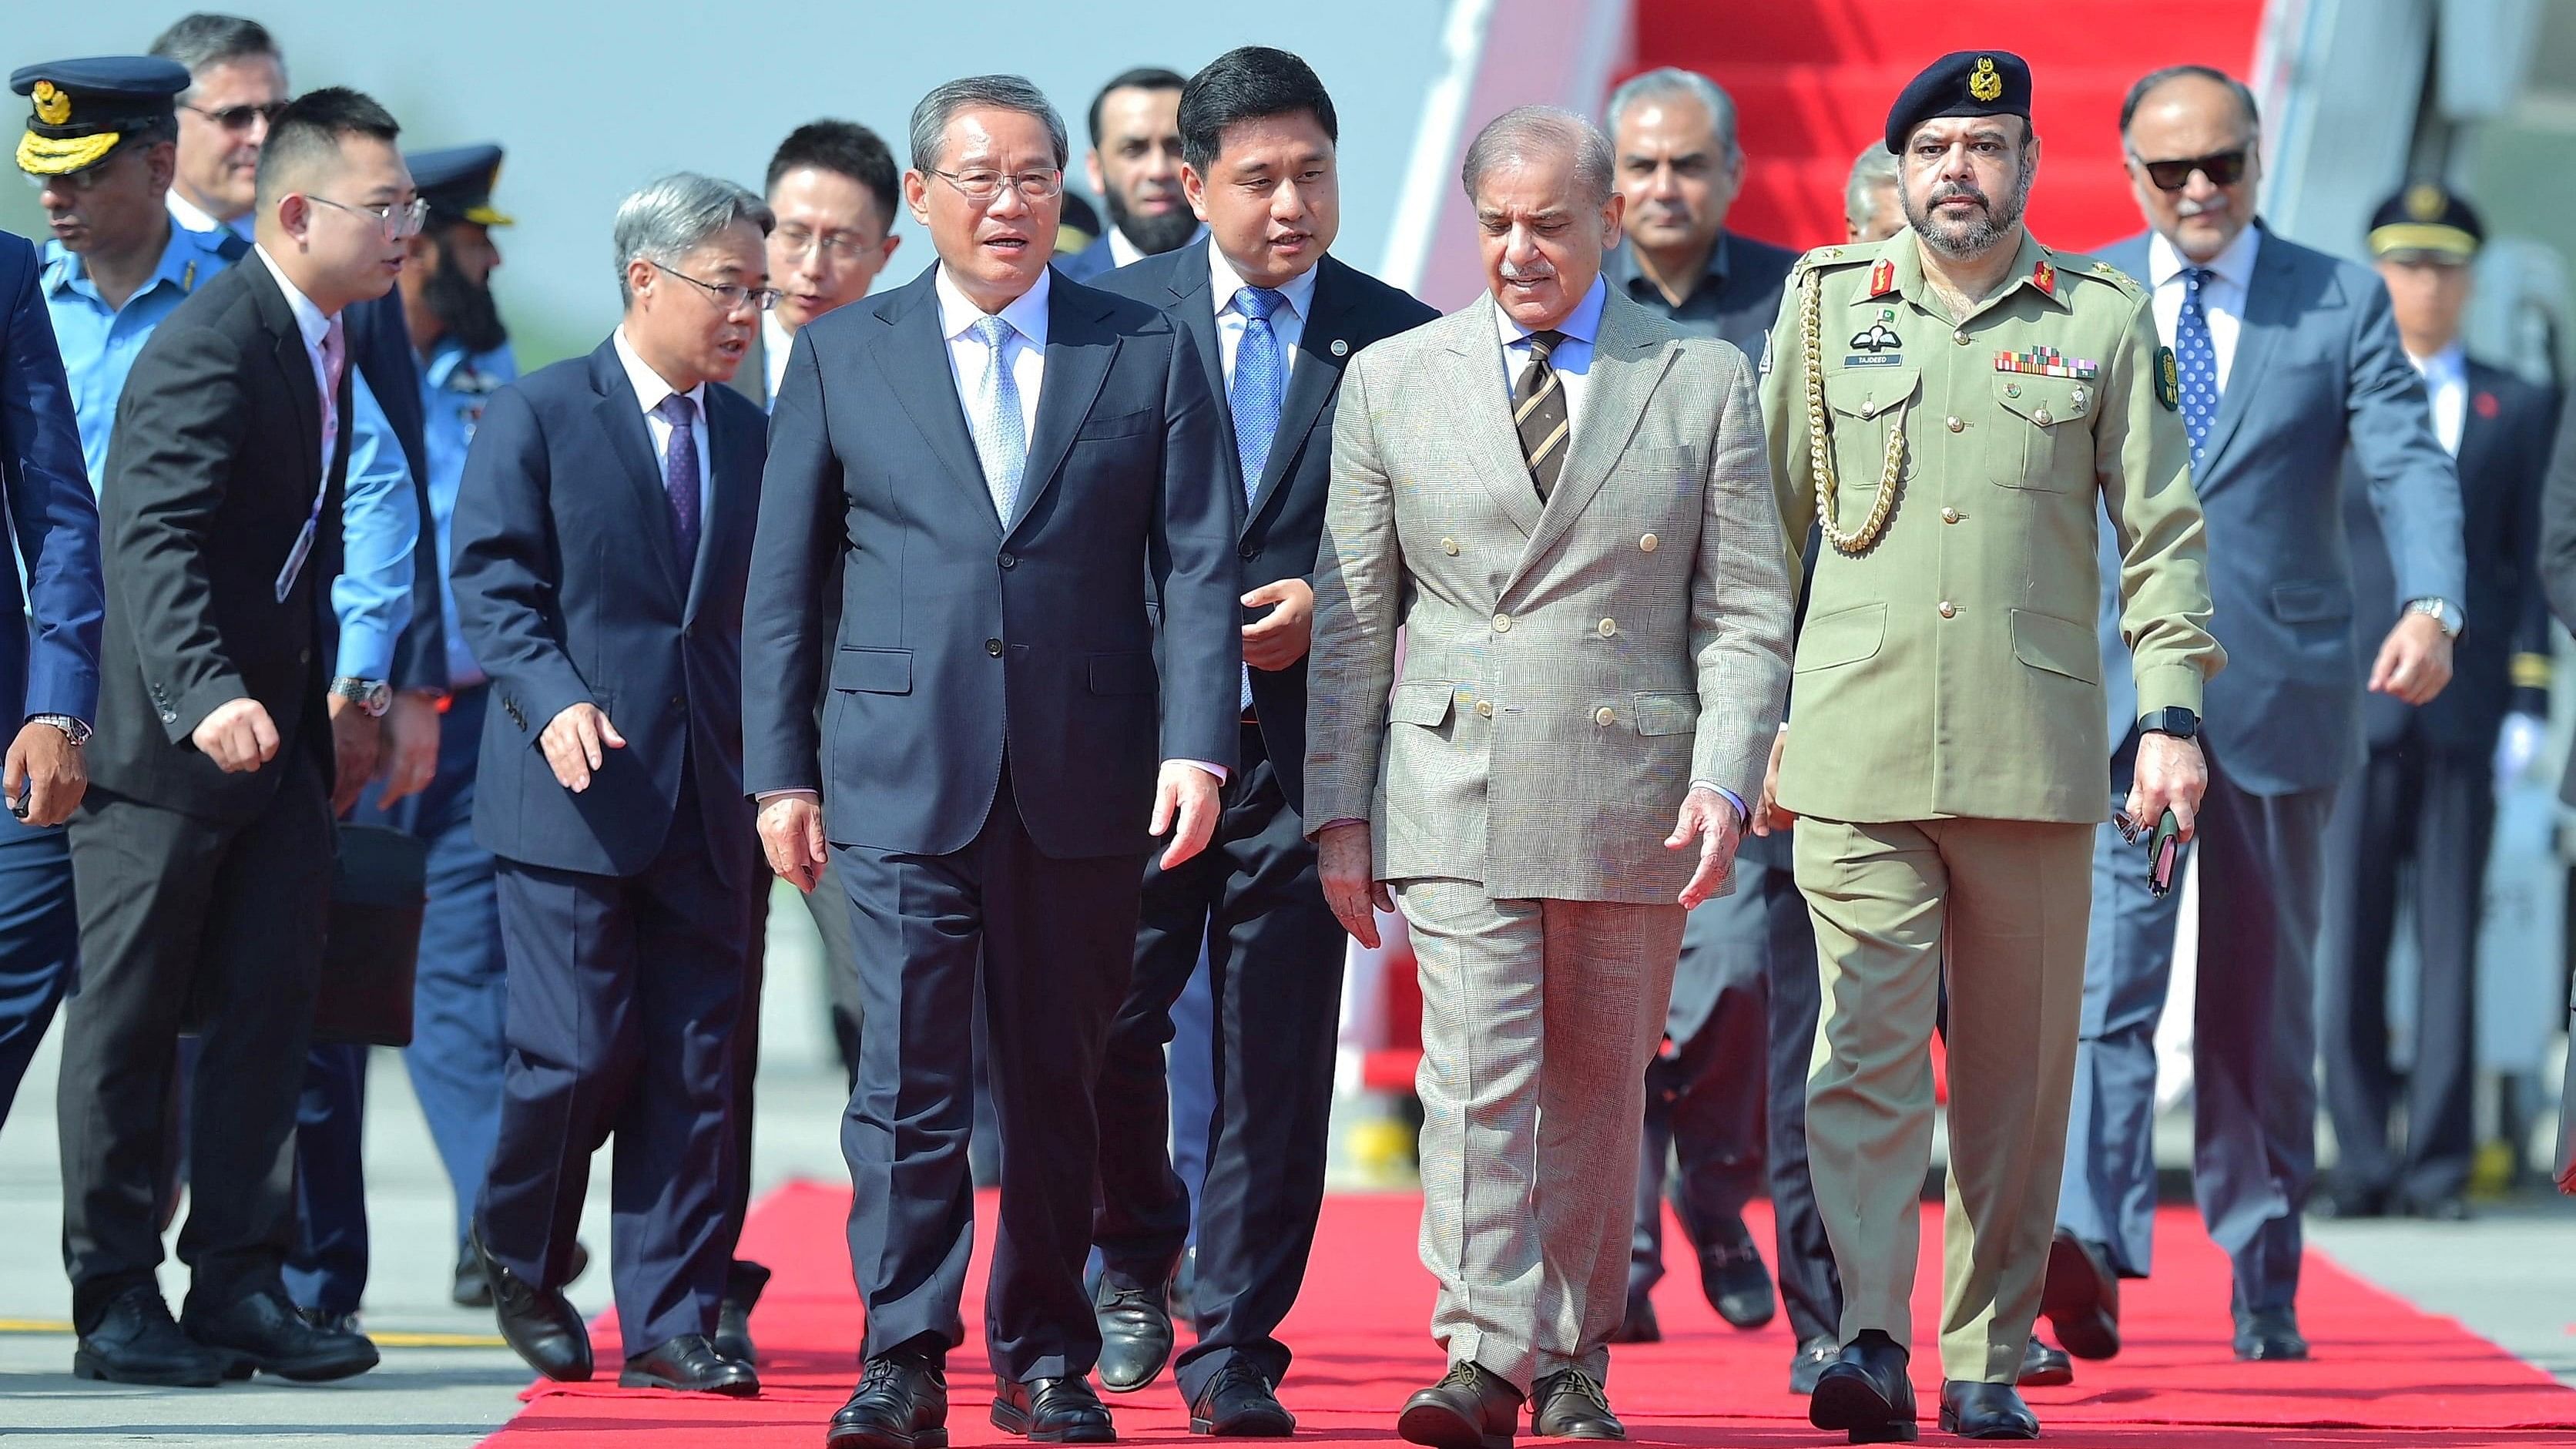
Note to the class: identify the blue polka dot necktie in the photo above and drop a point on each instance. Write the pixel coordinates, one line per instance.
(2196, 360)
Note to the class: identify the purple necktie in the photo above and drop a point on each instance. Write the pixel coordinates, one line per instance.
(680, 474)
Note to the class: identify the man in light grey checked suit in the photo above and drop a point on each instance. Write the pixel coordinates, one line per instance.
(1564, 503)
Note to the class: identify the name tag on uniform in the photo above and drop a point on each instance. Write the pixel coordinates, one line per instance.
(295, 558)
(1881, 359)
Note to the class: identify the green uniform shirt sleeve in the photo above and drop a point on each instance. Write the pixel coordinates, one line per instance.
(2142, 458)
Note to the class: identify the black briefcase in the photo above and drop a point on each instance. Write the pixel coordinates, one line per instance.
(377, 894)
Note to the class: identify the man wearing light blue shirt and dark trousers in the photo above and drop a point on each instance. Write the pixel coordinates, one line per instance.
(2283, 363)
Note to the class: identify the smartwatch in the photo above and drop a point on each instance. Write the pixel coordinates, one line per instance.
(2173, 720)
(372, 695)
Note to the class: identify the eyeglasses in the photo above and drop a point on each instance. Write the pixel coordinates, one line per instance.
(837, 246)
(985, 187)
(398, 220)
(2223, 168)
(238, 118)
(729, 295)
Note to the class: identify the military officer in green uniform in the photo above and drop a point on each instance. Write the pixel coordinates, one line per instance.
(1958, 407)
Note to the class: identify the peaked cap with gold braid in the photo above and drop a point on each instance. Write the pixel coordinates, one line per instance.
(83, 108)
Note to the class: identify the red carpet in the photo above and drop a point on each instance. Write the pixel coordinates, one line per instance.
(2384, 1373)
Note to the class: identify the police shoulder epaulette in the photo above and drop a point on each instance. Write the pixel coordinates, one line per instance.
(1833, 256)
(2076, 264)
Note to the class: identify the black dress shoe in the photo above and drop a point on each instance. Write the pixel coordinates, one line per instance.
(538, 1323)
(1638, 1324)
(137, 1342)
(326, 1319)
(1237, 1404)
(1569, 1405)
(901, 1403)
(2081, 1298)
(264, 1331)
(743, 1284)
(1135, 1332)
(1865, 1393)
(2270, 1338)
(1812, 1359)
(1053, 1411)
(471, 1289)
(1986, 1411)
(1469, 1408)
(690, 1364)
(1737, 1284)
(2043, 1367)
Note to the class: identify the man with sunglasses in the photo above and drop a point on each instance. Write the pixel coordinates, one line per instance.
(2287, 363)
(602, 536)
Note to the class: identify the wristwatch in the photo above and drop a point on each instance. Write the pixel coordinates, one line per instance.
(73, 729)
(2172, 720)
(372, 695)
(2440, 611)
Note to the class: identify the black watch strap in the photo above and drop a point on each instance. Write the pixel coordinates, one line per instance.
(2173, 720)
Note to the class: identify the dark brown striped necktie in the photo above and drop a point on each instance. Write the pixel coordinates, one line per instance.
(1538, 412)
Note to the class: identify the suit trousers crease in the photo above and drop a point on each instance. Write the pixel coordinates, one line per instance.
(623, 997)
(1052, 942)
(1996, 910)
(174, 909)
(1528, 1156)
(2254, 1092)
(2414, 823)
(1274, 961)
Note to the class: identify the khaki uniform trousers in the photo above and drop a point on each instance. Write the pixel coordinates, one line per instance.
(1998, 909)
(1538, 1019)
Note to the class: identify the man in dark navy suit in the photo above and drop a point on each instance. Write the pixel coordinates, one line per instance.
(1274, 318)
(2426, 798)
(1005, 463)
(603, 531)
(1134, 165)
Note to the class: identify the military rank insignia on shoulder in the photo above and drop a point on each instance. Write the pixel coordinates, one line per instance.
(2168, 380)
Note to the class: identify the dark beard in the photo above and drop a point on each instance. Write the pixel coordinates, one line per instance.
(464, 309)
(1153, 235)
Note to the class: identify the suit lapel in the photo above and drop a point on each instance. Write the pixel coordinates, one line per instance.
(1310, 384)
(728, 464)
(293, 361)
(1078, 355)
(621, 416)
(913, 356)
(1472, 383)
(1195, 304)
(1627, 361)
(2268, 314)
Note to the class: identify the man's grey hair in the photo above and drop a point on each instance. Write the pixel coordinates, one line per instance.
(202, 40)
(1873, 168)
(1527, 131)
(669, 218)
(1671, 81)
(996, 92)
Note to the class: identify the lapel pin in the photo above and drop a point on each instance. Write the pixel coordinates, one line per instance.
(1341, 348)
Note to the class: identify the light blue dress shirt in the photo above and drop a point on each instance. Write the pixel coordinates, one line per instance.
(380, 517)
(455, 386)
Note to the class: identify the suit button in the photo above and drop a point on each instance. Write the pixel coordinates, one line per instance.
(1605, 715)
(993, 647)
(1960, 337)
(1247, 553)
(1949, 515)
(1449, 546)
(1609, 627)
(1502, 623)
(1010, 560)
(1956, 425)
(679, 701)
(303, 656)
(1647, 544)
(1949, 610)
(1485, 707)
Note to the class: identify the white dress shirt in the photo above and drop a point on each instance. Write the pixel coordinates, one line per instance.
(1572, 359)
(650, 389)
(1288, 323)
(775, 342)
(2446, 384)
(2222, 297)
(314, 327)
(1023, 351)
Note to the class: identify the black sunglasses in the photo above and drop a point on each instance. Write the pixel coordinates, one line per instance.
(2223, 168)
(238, 118)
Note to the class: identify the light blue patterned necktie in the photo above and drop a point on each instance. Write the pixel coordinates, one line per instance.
(1260, 377)
(1001, 439)
(2196, 363)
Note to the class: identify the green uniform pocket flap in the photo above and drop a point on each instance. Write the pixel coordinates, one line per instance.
(1841, 638)
(1667, 714)
(873, 671)
(1422, 702)
(2044, 641)
(2046, 401)
(1866, 392)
